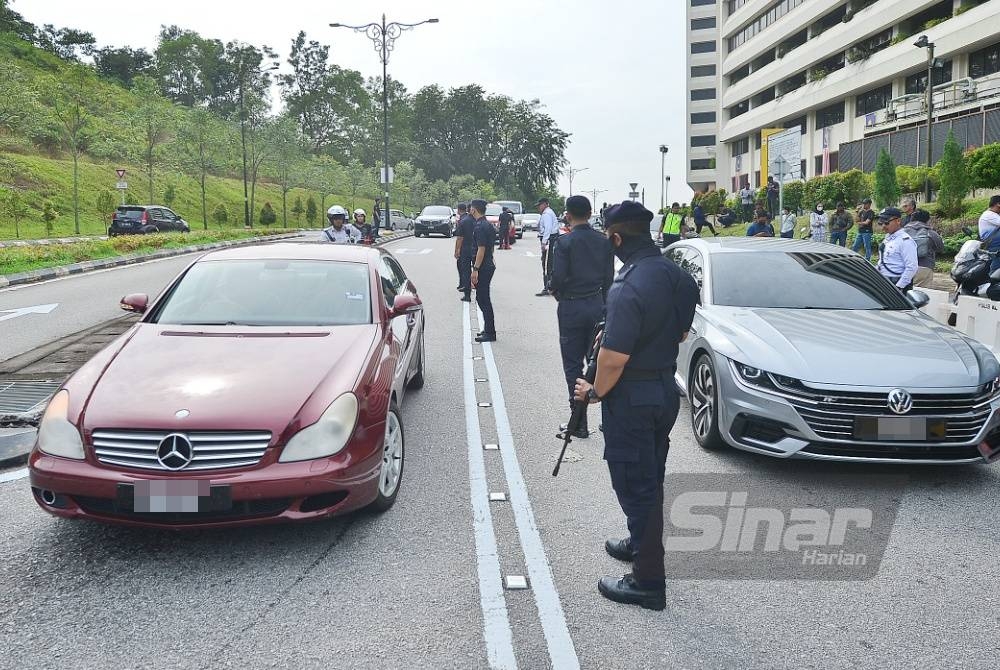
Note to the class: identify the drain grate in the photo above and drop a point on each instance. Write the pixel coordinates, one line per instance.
(21, 397)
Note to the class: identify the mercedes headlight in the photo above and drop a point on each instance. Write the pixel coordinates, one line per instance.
(56, 435)
(326, 437)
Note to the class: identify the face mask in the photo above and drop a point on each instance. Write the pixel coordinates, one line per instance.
(629, 245)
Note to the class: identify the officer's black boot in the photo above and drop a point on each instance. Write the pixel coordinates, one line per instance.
(629, 591)
(619, 549)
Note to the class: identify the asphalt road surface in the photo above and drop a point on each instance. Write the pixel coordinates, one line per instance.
(421, 586)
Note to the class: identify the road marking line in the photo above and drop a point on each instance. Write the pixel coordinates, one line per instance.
(562, 653)
(13, 475)
(496, 624)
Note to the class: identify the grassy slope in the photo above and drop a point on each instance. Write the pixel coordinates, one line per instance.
(52, 179)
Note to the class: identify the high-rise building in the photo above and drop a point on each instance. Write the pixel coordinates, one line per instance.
(847, 73)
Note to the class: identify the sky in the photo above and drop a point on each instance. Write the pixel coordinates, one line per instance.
(611, 73)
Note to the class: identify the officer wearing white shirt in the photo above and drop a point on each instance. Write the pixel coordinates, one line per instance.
(548, 226)
(898, 252)
(339, 231)
(989, 229)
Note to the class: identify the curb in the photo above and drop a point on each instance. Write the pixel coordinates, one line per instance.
(131, 259)
(15, 445)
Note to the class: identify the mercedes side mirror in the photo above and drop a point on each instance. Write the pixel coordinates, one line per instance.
(405, 304)
(135, 302)
(918, 299)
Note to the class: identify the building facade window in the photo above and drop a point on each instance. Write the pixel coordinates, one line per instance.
(703, 24)
(703, 47)
(873, 100)
(770, 16)
(740, 147)
(830, 116)
(801, 121)
(703, 70)
(739, 109)
(703, 94)
(703, 140)
(985, 62)
(917, 83)
(702, 164)
(734, 5)
(702, 117)
(702, 3)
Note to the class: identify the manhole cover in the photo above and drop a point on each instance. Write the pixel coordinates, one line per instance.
(20, 397)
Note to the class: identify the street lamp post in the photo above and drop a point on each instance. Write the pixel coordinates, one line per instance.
(663, 175)
(384, 35)
(924, 43)
(572, 173)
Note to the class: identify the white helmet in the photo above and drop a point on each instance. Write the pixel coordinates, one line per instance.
(359, 211)
(336, 210)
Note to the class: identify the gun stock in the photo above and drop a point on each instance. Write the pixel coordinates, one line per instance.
(580, 406)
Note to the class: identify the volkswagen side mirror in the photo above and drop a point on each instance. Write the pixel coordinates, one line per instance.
(918, 299)
(135, 302)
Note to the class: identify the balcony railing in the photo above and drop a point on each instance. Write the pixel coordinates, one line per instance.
(949, 95)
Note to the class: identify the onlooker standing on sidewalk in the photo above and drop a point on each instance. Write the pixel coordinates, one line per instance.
(483, 269)
(929, 245)
(909, 207)
(746, 199)
(465, 250)
(897, 255)
(787, 223)
(866, 219)
(701, 221)
(377, 216)
(817, 224)
(773, 195)
(582, 270)
(840, 222)
(673, 225)
(989, 229)
(548, 226)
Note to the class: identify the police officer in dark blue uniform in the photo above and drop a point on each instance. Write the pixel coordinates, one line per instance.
(582, 270)
(483, 268)
(649, 312)
(465, 250)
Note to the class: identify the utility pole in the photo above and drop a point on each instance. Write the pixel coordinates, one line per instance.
(664, 182)
(595, 192)
(572, 173)
(924, 43)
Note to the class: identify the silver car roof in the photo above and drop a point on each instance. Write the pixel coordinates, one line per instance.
(716, 245)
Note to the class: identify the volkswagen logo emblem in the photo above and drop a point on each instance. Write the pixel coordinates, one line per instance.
(900, 402)
(175, 452)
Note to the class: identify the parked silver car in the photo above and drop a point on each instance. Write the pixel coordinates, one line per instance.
(804, 350)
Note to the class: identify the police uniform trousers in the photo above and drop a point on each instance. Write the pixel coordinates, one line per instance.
(668, 239)
(465, 272)
(577, 318)
(638, 415)
(483, 298)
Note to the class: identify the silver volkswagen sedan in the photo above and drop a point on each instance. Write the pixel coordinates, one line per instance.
(803, 350)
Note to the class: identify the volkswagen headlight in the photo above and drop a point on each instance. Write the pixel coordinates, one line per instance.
(762, 379)
(56, 435)
(326, 437)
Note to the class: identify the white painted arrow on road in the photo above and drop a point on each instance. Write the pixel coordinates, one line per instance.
(23, 311)
(411, 252)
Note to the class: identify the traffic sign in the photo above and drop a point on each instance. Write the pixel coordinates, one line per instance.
(122, 186)
(392, 176)
(634, 184)
(633, 195)
(121, 173)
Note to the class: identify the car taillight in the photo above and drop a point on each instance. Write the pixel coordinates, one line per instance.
(145, 216)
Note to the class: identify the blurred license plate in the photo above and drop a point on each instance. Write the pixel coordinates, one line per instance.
(163, 496)
(899, 429)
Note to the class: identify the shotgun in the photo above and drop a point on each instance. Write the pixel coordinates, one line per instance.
(580, 406)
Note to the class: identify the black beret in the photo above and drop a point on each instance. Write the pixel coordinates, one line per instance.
(628, 212)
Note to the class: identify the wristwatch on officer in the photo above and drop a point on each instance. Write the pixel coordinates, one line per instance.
(592, 395)
(475, 268)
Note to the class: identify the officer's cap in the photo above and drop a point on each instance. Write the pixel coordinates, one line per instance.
(628, 212)
(542, 201)
(578, 206)
(888, 214)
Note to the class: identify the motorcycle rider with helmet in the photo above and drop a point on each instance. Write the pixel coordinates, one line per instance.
(339, 230)
(367, 232)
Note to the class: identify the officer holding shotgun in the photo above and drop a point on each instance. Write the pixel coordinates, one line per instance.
(650, 308)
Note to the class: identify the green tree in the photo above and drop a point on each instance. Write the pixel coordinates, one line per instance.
(360, 179)
(49, 216)
(887, 191)
(151, 121)
(792, 197)
(220, 215)
(311, 211)
(106, 206)
(170, 195)
(71, 101)
(202, 138)
(16, 208)
(298, 210)
(325, 176)
(123, 65)
(955, 182)
(267, 215)
(984, 166)
(18, 98)
(288, 159)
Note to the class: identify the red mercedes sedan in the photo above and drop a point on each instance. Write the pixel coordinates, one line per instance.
(264, 384)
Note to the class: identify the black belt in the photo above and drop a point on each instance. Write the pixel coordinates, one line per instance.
(638, 375)
(580, 297)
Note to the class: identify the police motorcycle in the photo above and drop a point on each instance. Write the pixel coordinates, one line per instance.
(971, 271)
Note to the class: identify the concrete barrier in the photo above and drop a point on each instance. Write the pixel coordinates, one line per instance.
(940, 308)
(979, 318)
